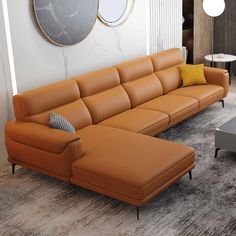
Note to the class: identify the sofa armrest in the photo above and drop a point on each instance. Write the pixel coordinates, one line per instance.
(40, 136)
(217, 76)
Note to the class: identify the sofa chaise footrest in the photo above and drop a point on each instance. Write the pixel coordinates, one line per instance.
(132, 168)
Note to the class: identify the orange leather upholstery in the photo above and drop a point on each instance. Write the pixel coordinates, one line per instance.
(140, 121)
(135, 69)
(177, 107)
(103, 94)
(62, 97)
(93, 135)
(111, 110)
(76, 113)
(143, 90)
(46, 150)
(108, 103)
(166, 59)
(219, 77)
(39, 136)
(57, 165)
(42, 99)
(132, 167)
(170, 79)
(206, 94)
(98, 81)
(139, 81)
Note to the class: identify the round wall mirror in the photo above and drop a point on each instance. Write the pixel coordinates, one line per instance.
(65, 22)
(113, 13)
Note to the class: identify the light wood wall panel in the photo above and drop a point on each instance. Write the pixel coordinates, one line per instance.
(225, 31)
(202, 33)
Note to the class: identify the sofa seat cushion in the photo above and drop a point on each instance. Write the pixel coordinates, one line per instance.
(93, 135)
(206, 94)
(140, 121)
(177, 107)
(132, 167)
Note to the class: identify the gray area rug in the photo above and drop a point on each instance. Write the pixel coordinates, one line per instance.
(34, 204)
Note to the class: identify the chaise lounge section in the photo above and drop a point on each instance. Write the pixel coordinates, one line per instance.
(115, 112)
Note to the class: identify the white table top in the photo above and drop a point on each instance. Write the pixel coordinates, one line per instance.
(221, 57)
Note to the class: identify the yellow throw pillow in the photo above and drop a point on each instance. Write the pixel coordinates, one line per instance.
(192, 75)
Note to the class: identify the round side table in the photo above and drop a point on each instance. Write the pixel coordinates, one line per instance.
(224, 58)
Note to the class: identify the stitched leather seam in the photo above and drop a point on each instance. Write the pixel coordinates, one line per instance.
(134, 187)
(34, 146)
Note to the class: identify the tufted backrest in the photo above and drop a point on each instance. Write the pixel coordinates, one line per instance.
(62, 97)
(103, 94)
(139, 81)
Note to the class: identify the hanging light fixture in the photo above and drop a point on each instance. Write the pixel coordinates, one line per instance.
(214, 8)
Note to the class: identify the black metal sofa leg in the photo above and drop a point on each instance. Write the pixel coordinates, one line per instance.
(13, 168)
(137, 207)
(190, 174)
(222, 102)
(137, 210)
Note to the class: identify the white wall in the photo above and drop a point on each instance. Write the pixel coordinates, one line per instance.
(38, 62)
(5, 88)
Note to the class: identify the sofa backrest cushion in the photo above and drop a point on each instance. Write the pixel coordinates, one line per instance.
(107, 104)
(166, 59)
(135, 69)
(139, 81)
(103, 94)
(98, 81)
(165, 65)
(143, 89)
(62, 97)
(75, 112)
(170, 78)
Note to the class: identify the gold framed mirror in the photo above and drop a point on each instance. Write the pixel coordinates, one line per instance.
(114, 13)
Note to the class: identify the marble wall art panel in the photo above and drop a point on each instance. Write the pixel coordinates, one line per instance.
(65, 22)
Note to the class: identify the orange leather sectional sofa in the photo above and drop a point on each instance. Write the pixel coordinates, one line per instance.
(115, 112)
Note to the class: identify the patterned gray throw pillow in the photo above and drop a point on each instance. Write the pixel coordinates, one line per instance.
(59, 122)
